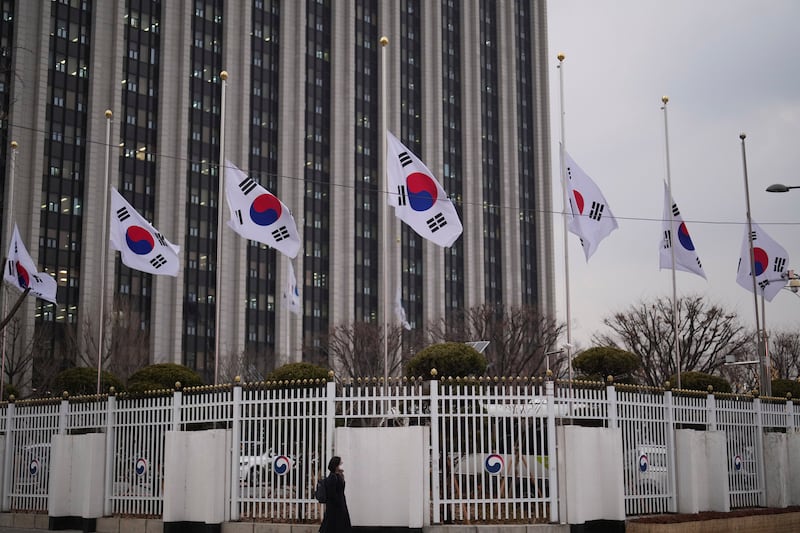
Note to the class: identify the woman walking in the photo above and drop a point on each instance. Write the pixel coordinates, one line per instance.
(337, 518)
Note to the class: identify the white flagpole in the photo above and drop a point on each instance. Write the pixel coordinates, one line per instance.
(384, 41)
(673, 237)
(765, 384)
(104, 250)
(568, 346)
(220, 209)
(9, 203)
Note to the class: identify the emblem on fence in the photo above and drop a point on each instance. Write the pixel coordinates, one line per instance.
(33, 468)
(644, 463)
(141, 466)
(281, 465)
(737, 462)
(493, 463)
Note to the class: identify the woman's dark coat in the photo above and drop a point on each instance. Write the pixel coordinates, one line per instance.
(336, 519)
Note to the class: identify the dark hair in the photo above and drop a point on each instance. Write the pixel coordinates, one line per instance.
(334, 463)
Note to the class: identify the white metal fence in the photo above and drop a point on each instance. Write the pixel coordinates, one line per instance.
(493, 442)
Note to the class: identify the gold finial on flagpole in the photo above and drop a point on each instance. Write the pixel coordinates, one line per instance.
(743, 136)
(384, 41)
(224, 75)
(561, 56)
(14, 145)
(665, 99)
(109, 114)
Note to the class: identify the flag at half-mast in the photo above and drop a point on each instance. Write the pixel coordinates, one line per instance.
(21, 271)
(417, 197)
(686, 258)
(259, 215)
(770, 260)
(291, 292)
(141, 246)
(590, 216)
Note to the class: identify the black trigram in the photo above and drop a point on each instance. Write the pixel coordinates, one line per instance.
(753, 236)
(596, 213)
(37, 278)
(763, 284)
(280, 234)
(675, 211)
(700, 265)
(158, 261)
(667, 239)
(239, 217)
(161, 239)
(402, 199)
(123, 214)
(12, 268)
(247, 185)
(778, 264)
(436, 222)
(405, 159)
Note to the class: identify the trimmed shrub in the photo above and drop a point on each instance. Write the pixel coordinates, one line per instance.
(298, 372)
(602, 361)
(82, 380)
(781, 386)
(8, 390)
(701, 381)
(450, 359)
(163, 376)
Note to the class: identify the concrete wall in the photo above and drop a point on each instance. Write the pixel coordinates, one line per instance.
(702, 472)
(590, 474)
(381, 492)
(782, 469)
(77, 474)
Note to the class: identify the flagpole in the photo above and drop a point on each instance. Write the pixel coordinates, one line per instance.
(568, 305)
(384, 41)
(763, 388)
(9, 203)
(672, 237)
(223, 76)
(103, 249)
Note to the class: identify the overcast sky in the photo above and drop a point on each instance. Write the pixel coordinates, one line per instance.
(728, 66)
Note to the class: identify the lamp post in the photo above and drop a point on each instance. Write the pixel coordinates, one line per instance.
(780, 187)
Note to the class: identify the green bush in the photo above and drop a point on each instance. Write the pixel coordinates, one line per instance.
(602, 361)
(82, 380)
(163, 376)
(781, 386)
(701, 381)
(8, 390)
(298, 372)
(450, 359)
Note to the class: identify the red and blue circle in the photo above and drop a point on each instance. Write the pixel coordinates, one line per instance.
(23, 278)
(761, 260)
(281, 465)
(265, 210)
(139, 240)
(644, 463)
(684, 238)
(422, 191)
(141, 466)
(493, 463)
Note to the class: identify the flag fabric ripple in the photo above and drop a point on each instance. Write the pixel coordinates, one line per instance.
(21, 271)
(686, 258)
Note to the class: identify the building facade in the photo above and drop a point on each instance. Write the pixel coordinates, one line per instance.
(466, 88)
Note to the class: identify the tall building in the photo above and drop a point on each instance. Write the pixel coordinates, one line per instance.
(466, 89)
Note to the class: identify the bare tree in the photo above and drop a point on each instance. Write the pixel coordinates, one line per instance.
(706, 334)
(784, 354)
(357, 349)
(251, 364)
(519, 337)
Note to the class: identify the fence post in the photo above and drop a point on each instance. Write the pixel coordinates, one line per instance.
(669, 414)
(236, 447)
(63, 415)
(177, 396)
(330, 420)
(552, 459)
(435, 445)
(789, 416)
(111, 437)
(711, 411)
(9, 454)
(762, 493)
(611, 398)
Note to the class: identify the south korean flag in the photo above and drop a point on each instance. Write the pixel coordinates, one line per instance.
(770, 261)
(21, 271)
(259, 215)
(417, 197)
(141, 246)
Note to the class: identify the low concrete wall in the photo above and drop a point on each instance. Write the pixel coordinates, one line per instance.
(764, 523)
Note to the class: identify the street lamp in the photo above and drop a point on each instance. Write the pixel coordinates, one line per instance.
(780, 187)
